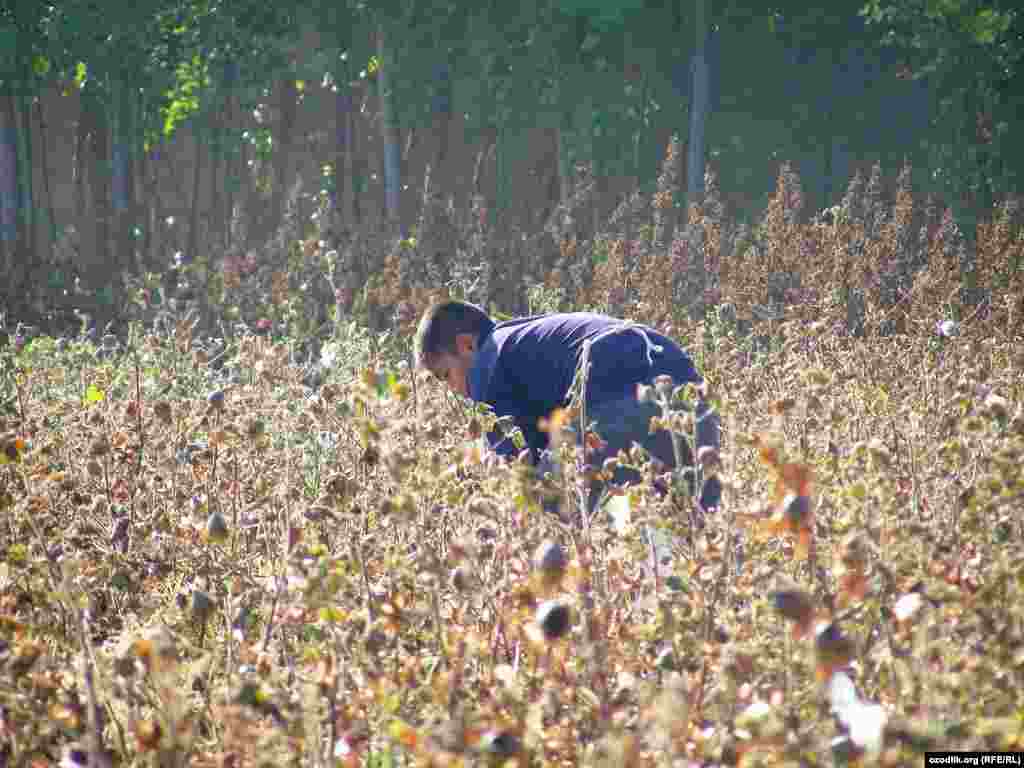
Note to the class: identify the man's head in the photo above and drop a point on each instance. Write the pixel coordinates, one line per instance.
(446, 341)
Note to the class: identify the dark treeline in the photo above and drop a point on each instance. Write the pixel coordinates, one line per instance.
(130, 134)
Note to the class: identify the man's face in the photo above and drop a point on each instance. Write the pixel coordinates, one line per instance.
(453, 369)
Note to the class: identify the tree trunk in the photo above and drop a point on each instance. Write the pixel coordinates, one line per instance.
(342, 154)
(10, 213)
(287, 105)
(440, 181)
(699, 103)
(234, 169)
(192, 247)
(122, 192)
(357, 163)
(99, 273)
(27, 168)
(389, 136)
(44, 161)
(489, 137)
(548, 178)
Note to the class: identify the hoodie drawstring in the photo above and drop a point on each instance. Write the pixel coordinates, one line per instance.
(650, 348)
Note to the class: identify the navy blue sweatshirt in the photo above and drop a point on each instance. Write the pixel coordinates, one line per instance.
(524, 368)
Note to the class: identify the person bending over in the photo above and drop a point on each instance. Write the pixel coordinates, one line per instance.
(524, 369)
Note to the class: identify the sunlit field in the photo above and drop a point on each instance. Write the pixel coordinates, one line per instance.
(218, 551)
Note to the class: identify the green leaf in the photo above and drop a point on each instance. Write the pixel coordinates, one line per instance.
(93, 394)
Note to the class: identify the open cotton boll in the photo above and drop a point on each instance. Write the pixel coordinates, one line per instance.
(865, 722)
(620, 516)
(328, 354)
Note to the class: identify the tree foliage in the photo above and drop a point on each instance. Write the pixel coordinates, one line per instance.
(972, 54)
(612, 79)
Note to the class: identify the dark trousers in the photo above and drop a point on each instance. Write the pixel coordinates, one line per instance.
(622, 422)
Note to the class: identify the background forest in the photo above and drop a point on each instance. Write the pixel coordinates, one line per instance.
(135, 139)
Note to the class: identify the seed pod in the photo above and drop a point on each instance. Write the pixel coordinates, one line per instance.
(99, 447)
(371, 455)
(795, 604)
(201, 606)
(162, 409)
(855, 550)
(551, 560)
(998, 407)
(216, 399)
(833, 649)
(216, 528)
(554, 619)
(880, 453)
(500, 743)
(462, 579)
(795, 509)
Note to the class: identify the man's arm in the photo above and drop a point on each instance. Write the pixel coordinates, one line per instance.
(502, 439)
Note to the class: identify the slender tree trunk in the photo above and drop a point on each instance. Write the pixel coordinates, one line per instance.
(343, 103)
(699, 104)
(148, 202)
(501, 180)
(99, 273)
(564, 164)
(122, 194)
(549, 178)
(389, 135)
(192, 248)
(287, 105)
(356, 163)
(27, 168)
(201, 281)
(10, 214)
(219, 219)
(234, 170)
(489, 136)
(441, 182)
(44, 160)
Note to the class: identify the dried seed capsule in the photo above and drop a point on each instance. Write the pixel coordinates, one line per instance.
(201, 606)
(162, 409)
(462, 579)
(500, 743)
(794, 604)
(216, 399)
(551, 559)
(554, 619)
(216, 528)
(99, 447)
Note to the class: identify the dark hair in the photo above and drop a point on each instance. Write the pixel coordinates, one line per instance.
(441, 323)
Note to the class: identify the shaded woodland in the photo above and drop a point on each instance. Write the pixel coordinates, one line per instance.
(140, 139)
